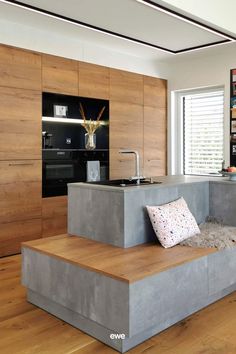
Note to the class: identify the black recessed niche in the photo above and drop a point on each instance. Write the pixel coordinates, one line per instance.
(67, 135)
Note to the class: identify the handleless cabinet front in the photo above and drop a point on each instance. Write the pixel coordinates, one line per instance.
(93, 81)
(20, 68)
(20, 121)
(126, 132)
(20, 203)
(54, 216)
(59, 75)
(155, 126)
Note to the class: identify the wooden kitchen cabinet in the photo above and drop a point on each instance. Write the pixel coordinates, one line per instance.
(126, 132)
(54, 216)
(13, 233)
(155, 141)
(155, 92)
(20, 203)
(59, 75)
(20, 68)
(21, 190)
(20, 122)
(93, 81)
(126, 87)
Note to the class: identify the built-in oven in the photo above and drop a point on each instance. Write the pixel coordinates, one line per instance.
(59, 168)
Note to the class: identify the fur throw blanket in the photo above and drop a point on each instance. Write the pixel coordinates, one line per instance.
(213, 234)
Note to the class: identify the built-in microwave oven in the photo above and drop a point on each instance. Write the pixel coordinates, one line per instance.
(61, 167)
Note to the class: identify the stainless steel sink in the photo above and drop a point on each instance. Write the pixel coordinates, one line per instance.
(124, 182)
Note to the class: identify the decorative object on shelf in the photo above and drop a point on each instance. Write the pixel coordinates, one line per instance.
(90, 126)
(60, 111)
(90, 141)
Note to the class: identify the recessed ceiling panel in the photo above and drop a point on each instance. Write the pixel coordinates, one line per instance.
(133, 19)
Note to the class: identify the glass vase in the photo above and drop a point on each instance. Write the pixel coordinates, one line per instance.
(90, 141)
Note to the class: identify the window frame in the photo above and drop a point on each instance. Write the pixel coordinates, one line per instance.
(176, 125)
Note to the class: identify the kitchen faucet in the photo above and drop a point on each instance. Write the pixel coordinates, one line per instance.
(137, 176)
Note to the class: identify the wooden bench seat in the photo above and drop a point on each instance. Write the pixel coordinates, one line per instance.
(132, 292)
(128, 265)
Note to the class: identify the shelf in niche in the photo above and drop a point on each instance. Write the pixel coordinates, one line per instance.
(68, 125)
(91, 106)
(69, 120)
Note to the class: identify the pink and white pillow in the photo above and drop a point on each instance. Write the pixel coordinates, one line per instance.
(173, 222)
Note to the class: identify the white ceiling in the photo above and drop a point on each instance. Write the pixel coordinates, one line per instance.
(127, 17)
(218, 13)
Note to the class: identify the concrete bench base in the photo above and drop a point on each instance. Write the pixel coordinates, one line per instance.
(102, 333)
(103, 306)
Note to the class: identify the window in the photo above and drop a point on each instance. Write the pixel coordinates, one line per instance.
(203, 120)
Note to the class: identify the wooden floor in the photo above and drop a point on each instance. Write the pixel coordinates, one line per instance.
(25, 329)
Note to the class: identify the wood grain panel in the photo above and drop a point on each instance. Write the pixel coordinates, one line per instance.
(54, 216)
(126, 264)
(20, 190)
(59, 75)
(126, 132)
(13, 233)
(155, 141)
(20, 121)
(126, 125)
(126, 86)
(93, 81)
(155, 92)
(20, 68)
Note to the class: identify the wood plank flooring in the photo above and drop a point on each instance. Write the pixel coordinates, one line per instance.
(25, 329)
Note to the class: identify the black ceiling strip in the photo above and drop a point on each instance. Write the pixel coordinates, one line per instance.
(202, 46)
(119, 35)
(189, 19)
(56, 15)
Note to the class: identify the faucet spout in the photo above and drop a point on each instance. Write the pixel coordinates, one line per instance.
(137, 176)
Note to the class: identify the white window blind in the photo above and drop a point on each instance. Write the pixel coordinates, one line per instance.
(203, 132)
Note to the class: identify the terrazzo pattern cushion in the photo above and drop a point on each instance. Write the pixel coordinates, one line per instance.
(173, 222)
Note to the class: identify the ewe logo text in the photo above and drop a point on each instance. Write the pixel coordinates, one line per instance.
(117, 336)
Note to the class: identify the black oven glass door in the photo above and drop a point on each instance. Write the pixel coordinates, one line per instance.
(59, 171)
(56, 175)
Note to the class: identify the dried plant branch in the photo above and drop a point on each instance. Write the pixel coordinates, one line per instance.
(100, 113)
(82, 111)
(90, 125)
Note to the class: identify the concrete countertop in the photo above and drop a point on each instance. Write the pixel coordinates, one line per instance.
(165, 181)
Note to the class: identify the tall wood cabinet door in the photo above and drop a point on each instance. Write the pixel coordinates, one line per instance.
(126, 132)
(155, 141)
(20, 68)
(93, 81)
(155, 92)
(20, 122)
(54, 216)
(59, 75)
(20, 203)
(14, 233)
(126, 86)
(20, 190)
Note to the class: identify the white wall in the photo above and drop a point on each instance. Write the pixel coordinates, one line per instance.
(200, 69)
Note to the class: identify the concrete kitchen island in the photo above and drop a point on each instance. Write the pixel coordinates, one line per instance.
(124, 295)
(117, 215)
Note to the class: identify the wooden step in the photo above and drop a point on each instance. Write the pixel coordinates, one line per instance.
(128, 265)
